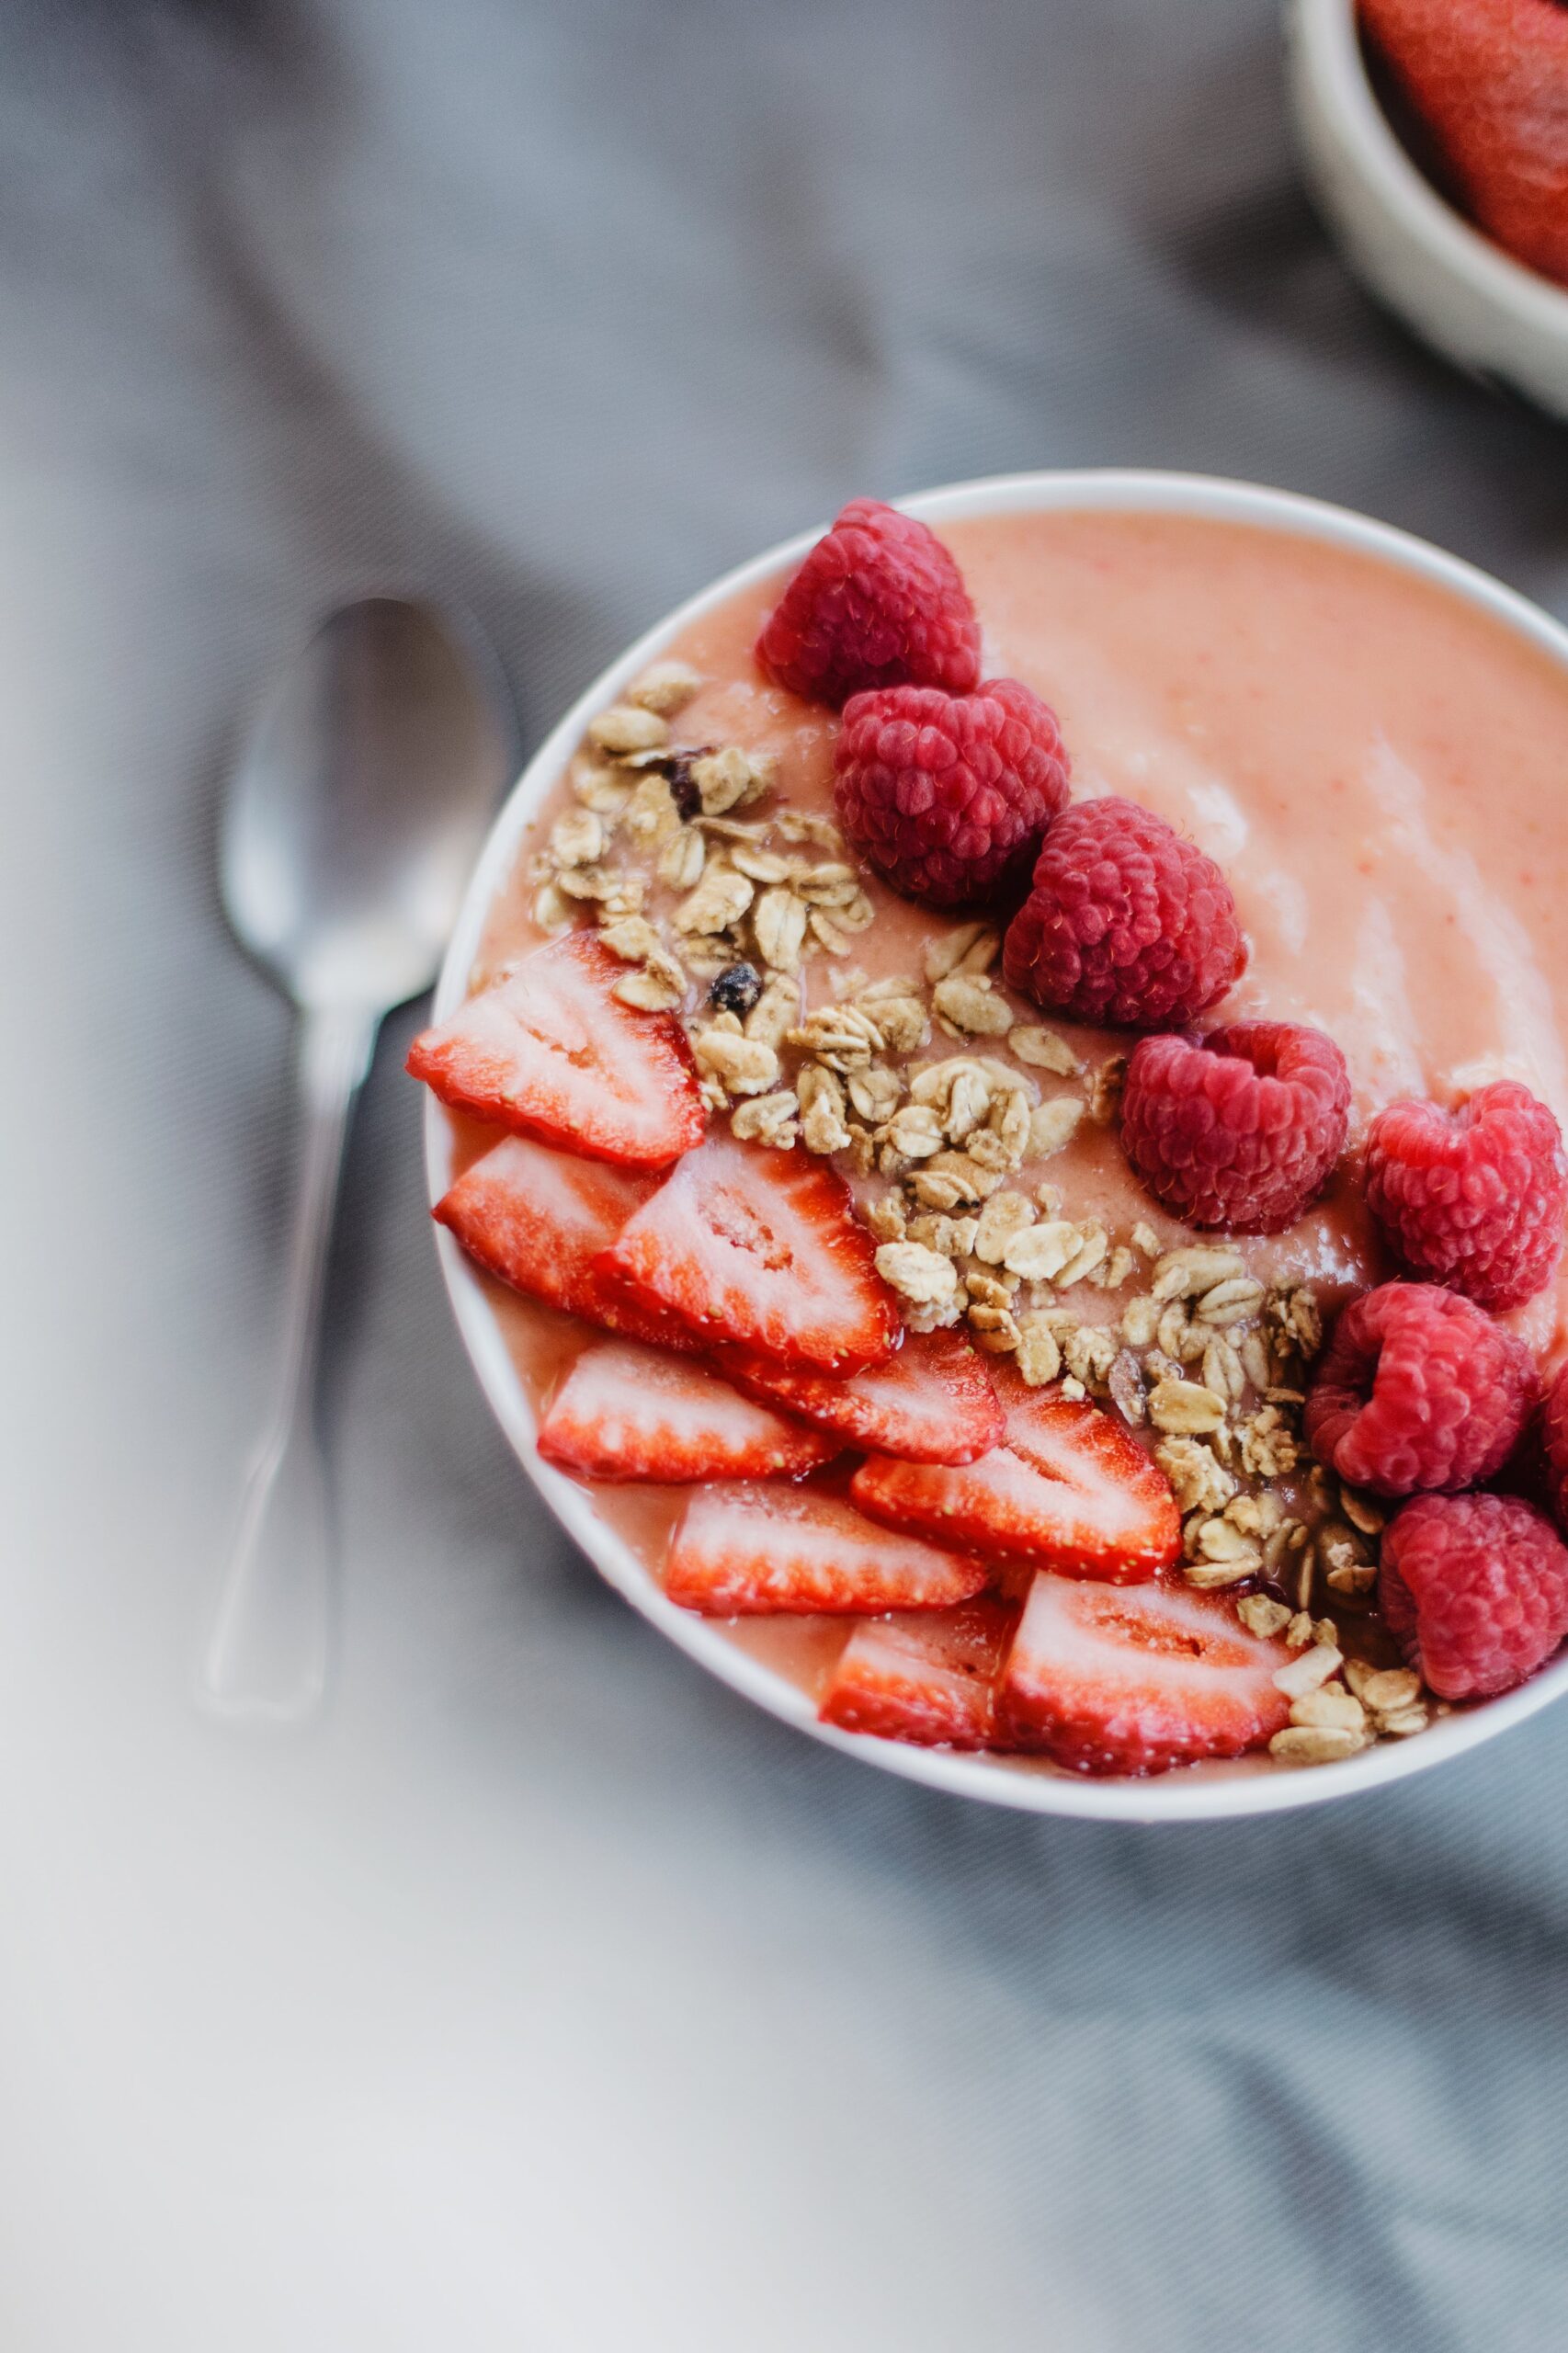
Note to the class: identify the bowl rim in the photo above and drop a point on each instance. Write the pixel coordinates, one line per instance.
(1329, 42)
(1188, 1796)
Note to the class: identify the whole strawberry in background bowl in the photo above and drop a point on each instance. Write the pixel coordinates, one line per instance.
(939, 1191)
(1436, 136)
(1485, 87)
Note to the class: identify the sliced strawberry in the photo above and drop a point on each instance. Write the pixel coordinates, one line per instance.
(762, 1248)
(928, 1677)
(540, 1220)
(1067, 1490)
(932, 1403)
(550, 1052)
(629, 1412)
(1110, 1679)
(747, 1551)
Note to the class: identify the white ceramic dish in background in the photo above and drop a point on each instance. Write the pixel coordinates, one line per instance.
(1204, 1793)
(1479, 306)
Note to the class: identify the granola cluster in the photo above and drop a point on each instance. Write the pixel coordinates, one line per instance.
(659, 825)
(938, 1098)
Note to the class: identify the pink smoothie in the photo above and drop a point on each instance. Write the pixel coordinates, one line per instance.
(1376, 765)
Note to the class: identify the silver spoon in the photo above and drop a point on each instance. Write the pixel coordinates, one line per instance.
(351, 823)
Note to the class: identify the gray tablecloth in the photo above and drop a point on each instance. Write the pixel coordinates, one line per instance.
(548, 1998)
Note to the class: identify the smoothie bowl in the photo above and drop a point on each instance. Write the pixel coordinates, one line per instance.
(993, 1124)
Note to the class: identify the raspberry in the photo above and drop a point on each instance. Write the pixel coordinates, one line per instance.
(1474, 1589)
(879, 602)
(1418, 1390)
(947, 795)
(1240, 1130)
(1127, 925)
(1476, 1199)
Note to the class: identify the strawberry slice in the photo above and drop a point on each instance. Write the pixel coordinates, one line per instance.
(539, 1221)
(1110, 1679)
(548, 1051)
(1068, 1490)
(629, 1412)
(762, 1248)
(932, 1403)
(928, 1677)
(747, 1551)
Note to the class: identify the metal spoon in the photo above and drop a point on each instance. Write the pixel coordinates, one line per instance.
(351, 823)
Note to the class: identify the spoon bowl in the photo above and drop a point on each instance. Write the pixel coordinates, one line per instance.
(359, 803)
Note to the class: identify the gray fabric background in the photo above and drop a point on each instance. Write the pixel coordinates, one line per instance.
(548, 1998)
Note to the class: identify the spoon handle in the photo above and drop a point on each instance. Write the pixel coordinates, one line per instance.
(266, 1657)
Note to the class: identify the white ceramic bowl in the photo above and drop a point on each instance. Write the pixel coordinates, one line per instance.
(1205, 1793)
(1498, 319)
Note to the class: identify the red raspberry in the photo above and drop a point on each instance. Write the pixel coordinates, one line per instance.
(1476, 1199)
(1127, 925)
(1418, 1390)
(947, 795)
(1487, 78)
(1240, 1130)
(1474, 1589)
(879, 602)
(1554, 1446)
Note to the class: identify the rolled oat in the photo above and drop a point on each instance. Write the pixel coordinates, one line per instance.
(967, 1004)
(1045, 1049)
(664, 687)
(918, 1274)
(1184, 1408)
(626, 728)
